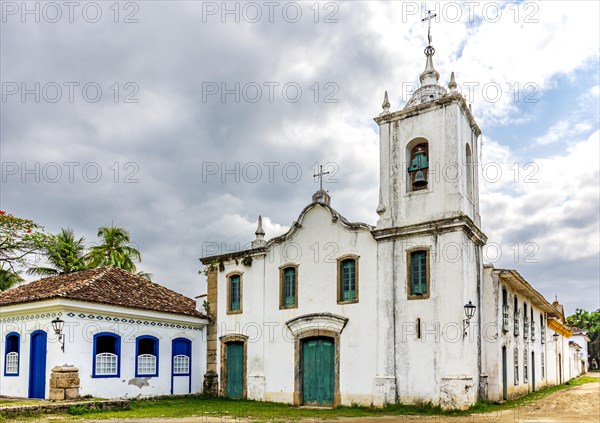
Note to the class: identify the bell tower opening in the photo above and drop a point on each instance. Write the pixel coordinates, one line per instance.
(418, 165)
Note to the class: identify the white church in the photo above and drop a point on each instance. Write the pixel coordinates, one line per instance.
(381, 314)
(373, 315)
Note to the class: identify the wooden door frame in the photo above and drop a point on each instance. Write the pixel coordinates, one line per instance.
(316, 333)
(227, 339)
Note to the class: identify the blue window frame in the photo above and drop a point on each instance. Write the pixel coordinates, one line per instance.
(12, 353)
(106, 361)
(146, 356)
(181, 357)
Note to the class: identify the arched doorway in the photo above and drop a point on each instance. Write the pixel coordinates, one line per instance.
(37, 365)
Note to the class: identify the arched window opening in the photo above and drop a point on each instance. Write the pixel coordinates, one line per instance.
(11, 358)
(469, 172)
(107, 350)
(418, 167)
(147, 356)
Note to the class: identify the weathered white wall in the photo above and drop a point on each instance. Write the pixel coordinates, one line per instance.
(314, 248)
(79, 333)
(447, 130)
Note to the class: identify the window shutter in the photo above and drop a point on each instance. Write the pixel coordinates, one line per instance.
(419, 272)
(348, 280)
(235, 292)
(289, 286)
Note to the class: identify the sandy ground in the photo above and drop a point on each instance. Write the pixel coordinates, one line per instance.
(580, 404)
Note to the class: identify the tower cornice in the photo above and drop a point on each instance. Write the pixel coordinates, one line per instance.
(460, 222)
(453, 97)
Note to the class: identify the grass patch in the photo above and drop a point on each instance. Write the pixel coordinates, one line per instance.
(198, 406)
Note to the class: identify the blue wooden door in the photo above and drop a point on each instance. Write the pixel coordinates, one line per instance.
(37, 365)
(235, 369)
(318, 371)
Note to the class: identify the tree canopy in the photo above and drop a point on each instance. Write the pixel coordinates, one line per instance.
(590, 322)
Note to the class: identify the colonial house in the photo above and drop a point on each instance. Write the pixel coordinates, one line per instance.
(519, 354)
(580, 340)
(338, 312)
(126, 337)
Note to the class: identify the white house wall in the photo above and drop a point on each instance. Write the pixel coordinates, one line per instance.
(79, 333)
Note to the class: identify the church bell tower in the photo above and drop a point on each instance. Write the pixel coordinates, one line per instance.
(429, 246)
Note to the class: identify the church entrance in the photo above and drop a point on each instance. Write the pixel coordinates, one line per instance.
(235, 369)
(318, 360)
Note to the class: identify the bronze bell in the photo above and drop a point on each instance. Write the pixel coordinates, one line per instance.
(420, 180)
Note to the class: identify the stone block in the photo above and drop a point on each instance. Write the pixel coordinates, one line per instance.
(57, 394)
(71, 393)
(70, 382)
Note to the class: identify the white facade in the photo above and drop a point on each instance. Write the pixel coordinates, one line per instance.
(315, 243)
(83, 320)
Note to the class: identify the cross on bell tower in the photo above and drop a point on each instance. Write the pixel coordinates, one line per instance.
(428, 18)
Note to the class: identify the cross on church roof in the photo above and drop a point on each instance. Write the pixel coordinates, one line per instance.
(320, 176)
(428, 18)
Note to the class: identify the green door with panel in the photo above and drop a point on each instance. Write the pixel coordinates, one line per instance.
(318, 357)
(235, 369)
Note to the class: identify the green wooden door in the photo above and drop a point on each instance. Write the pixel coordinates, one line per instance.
(317, 371)
(235, 369)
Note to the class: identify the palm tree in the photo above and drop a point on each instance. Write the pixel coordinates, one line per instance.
(114, 250)
(64, 254)
(8, 278)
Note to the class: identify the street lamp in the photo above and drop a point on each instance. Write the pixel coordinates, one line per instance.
(555, 337)
(469, 313)
(58, 325)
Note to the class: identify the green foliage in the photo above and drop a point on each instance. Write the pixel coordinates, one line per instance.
(8, 279)
(247, 261)
(20, 239)
(590, 322)
(64, 254)
(114, 250)
(78, 410)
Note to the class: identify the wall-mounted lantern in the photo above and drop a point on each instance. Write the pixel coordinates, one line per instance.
(58, 325)
(469, 313)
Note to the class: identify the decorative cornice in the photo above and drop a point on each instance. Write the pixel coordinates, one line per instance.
(322, 321)
(459, 222)
(452, 97)
(296, 226)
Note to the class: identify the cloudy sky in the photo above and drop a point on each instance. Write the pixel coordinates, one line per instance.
(182, 121)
